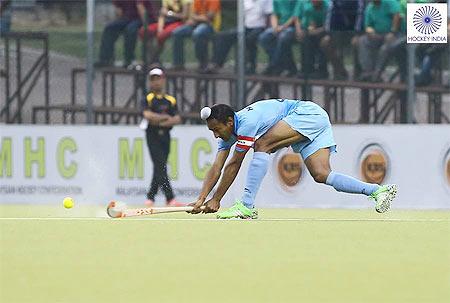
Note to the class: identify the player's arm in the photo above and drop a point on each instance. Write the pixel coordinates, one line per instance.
(174, 118)
(274, 22)
(154, 118)
(396, 19)
(208, 17)
(171, 121)
(230, 173)
(211, 179)
(161, 20)
(184, 15)
(289, 22)
(214, 173)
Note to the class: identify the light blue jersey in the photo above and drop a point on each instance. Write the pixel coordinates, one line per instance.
(255, 120)
(305, 117)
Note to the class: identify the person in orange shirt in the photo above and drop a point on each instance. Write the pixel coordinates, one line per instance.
(203, 21)
(173, 14)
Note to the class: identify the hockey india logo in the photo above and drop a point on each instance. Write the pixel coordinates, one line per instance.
(427, 20)
(374, 164)
(290, 169)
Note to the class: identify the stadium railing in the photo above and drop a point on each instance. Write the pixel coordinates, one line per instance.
(194, 90)
(25, 80)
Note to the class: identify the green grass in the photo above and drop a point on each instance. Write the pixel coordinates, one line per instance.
(71, 40)
(66, 40)
(326, 256)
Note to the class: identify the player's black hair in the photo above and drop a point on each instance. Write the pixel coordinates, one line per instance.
(221, 112)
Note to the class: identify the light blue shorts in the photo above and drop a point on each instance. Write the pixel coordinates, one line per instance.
(312, 121)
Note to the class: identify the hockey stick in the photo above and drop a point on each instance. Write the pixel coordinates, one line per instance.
(119, 210)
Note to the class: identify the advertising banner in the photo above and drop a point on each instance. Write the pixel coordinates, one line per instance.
(95, 164)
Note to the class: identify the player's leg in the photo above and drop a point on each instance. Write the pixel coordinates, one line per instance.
(129, 40)
(318, 165)
(165, 182)
(154, 185)
(201, 36)
(251, 48)
(268, 40)
(313, 122)
(109, 37)
(244, 208)
(280, 135)
(178, 37)
(222, 45)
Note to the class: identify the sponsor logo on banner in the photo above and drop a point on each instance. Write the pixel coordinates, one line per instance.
(447, 167)
(448, 171)
(374, 164)
(290, 168)
(426, 23)
(42, 164)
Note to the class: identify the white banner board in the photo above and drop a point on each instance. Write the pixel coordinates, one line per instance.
(96, 164)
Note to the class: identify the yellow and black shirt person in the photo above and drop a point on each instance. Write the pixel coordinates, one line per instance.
(161, 114)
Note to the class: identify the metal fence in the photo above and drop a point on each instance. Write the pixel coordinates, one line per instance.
(71, 90)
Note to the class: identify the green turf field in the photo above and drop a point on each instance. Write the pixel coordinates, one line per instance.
(305, 256)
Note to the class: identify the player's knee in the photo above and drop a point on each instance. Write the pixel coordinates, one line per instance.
(320, 176)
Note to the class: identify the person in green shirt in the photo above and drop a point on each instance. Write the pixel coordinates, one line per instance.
(394, 47)
(278, 38)
(310, 29)
(382, 24)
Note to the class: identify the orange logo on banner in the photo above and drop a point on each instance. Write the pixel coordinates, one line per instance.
(374, 167)
(448, 171)
(290, 169)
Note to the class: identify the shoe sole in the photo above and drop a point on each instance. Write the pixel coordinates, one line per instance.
(392, 193)
(237, 218)
(241, 217)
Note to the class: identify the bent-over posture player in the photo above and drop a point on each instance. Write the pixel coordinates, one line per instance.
(267, 126)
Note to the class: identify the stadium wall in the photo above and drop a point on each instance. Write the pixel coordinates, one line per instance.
(96, 164)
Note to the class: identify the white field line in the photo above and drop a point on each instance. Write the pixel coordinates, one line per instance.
(216, 220)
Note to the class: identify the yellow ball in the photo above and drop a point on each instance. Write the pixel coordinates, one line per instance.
(68, 202)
